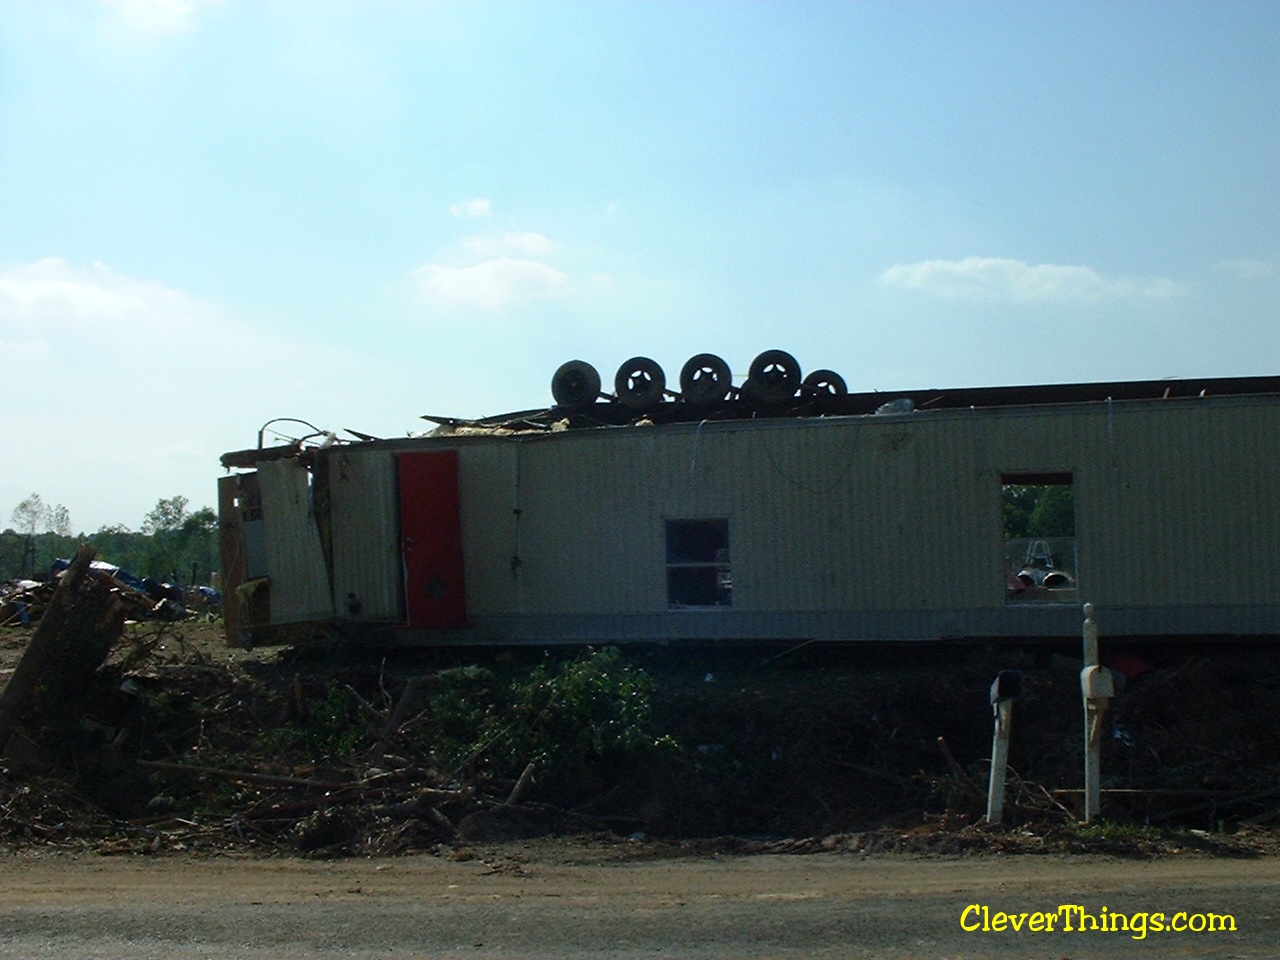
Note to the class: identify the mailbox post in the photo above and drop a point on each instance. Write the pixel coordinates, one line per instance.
(1097, 687)
(1007, 686)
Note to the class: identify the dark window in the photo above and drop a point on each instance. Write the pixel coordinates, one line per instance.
(698, 573)
(1038, 515)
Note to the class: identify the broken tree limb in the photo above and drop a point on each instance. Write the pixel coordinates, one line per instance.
(522, 785)
(398, 714)
(869, 771)
(242, 776)
(49, 644)
(958, 772)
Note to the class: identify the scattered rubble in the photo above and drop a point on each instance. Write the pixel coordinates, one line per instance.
(24, 601)
(164, 740)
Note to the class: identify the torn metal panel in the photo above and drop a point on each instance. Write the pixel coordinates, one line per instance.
(241, 459)
(299, 579)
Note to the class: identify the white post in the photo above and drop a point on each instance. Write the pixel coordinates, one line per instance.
(1097, 688)
(999, 760)
(1007, 686)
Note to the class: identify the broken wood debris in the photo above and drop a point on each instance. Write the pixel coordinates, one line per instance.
(173, 755)
(80, 623)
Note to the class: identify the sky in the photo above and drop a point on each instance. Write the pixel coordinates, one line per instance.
(216, 213)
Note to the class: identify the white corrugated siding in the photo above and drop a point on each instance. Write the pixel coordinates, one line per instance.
(880, 513)
(1183, 511)
(364, 512)
(822, 515)
(489, 495)
(295, 561)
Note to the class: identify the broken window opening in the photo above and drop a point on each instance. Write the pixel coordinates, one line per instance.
(1039, 525)
(698, 571)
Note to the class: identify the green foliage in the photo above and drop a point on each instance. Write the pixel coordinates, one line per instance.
(167, 515)
(1055, 512)
(179, 541)
(40, 533)
(1017, 502)
(60, 521)
(31, 516)
(457, 709)
(1038, 510)
(31, 556)
(331, 731)
(594, 706)
(1113, 832)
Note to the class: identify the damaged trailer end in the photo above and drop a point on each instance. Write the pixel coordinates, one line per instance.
(313, 541)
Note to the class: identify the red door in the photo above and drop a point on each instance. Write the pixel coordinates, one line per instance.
(431, 539)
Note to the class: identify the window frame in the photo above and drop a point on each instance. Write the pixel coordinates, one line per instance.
(699, 575)
(1036, 577)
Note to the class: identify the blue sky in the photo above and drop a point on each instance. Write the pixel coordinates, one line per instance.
(218, 212)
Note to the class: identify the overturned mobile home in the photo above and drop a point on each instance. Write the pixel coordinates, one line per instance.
(778, 511)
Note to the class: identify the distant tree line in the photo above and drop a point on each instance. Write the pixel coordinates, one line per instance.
(176, 544)
(1033, 510)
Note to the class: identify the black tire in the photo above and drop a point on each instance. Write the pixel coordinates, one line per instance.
(774, 377)
(640, 383)
(705, 380)
(826, 383)
(575, 385)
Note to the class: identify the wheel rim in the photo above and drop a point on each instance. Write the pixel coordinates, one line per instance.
(640, 383)
(705, 379)
(775, 376)
(826, 382)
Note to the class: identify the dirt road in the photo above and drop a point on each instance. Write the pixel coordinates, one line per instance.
(517, 902)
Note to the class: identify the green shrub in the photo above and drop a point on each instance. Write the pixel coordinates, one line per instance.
(594, 706)
(331, 731)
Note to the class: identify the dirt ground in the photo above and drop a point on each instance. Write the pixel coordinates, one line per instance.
(543, 900)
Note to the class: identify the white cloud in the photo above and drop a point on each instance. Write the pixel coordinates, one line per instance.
(119, 371)
(1003, 279)
(504, 243)
(492, 270)
(492, 285)
(23, 351)
(138, 387)
(479, 207)
(53, 292)
(1247, 269)
(157, 16)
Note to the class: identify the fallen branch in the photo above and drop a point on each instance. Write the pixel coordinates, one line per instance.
(242, 776)
(869, 771)
(522, 785)
(397, 715)
(961, 777)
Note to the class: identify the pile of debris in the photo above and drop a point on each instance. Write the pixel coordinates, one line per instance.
(123, 741)
(135, 738)
(141, 598)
